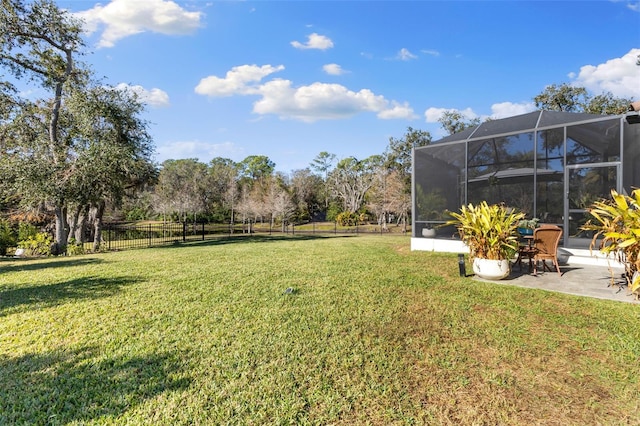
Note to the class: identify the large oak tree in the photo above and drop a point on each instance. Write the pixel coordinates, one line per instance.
(82, 143)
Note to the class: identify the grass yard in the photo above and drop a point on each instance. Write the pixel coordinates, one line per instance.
(373, 333)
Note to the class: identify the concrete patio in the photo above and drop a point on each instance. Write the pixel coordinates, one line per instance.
(577, 279)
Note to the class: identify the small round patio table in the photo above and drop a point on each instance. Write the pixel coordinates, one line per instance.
(526, 250)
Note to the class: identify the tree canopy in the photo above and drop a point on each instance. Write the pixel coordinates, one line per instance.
(565, 97)
(82, 144)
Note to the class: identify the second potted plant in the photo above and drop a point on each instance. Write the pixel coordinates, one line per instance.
(616, 226)
(526, 226)
(490, 233)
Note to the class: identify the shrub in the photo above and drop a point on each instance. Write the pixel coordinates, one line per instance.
(347, 219)
(332, 212)
(137, 213)
(7, 238)
(74, 248)
(37, 245)
(26, 231)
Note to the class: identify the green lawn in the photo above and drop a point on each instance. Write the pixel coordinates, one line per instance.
(373, 333)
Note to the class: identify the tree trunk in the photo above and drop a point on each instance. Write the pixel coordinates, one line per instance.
(79, 232)
(97, 224)
(62, 229)
(73, 223)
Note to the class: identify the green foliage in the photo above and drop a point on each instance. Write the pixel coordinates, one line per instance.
(569, 98)
(37, 245)
(74, 248)
(561, 98)
(430, 206)
(332, 212)
(26, 231)
(399, 152)
(256, 167)
(7, 237)
(453, 121)
(83, 143)
(488, 230)
(607, 104)
(616, 222)
(529, 223)
(136, 213)
(347, 219)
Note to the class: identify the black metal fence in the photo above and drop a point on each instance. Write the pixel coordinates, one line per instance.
(122, 236)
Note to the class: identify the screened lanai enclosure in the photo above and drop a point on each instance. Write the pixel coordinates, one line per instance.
(551, 165)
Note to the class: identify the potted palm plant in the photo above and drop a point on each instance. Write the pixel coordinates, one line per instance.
(490, 233)
(616, 226)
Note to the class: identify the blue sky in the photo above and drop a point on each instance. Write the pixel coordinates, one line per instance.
(290, 79)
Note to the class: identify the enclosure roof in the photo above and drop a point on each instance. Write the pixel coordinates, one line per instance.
(519, 124)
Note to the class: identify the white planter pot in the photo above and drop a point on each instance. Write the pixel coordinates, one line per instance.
(428, 232)
(491, 269)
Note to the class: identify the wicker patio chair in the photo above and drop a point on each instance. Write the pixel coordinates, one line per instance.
(545, 242)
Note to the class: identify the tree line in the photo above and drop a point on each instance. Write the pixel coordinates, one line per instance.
(250, 191)
(81, 153)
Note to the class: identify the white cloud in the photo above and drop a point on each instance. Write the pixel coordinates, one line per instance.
(397, 111)
(203, 151)
(316, 101)
(432, 115)
(333, 69)
(123, 18)
(154, 97)
(237, 81)
(620, 76)
(431, 52)
(310, 103)
(509, 109)
(405, 55)
(314, 41)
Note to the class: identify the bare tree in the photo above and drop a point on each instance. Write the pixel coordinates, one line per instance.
(182, 186)
(279, 204)
(306, 188)
(351, 179)
(398, 200)
(247, 207)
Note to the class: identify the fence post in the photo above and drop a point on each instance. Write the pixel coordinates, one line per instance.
(184, 232)
(202, 231)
